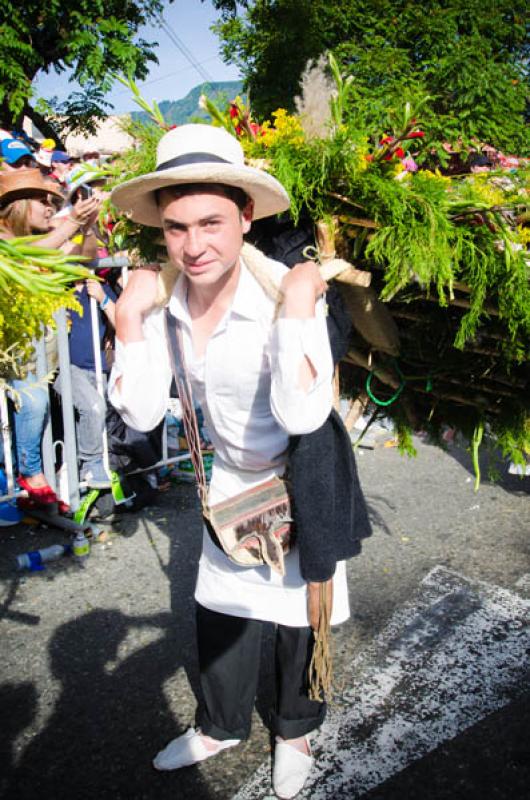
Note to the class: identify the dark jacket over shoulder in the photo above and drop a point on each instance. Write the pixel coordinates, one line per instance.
(329, 509)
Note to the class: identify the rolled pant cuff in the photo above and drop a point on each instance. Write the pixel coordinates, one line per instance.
(293, 728)
(209, 728)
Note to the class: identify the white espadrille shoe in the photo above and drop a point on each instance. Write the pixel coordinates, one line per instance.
(188, 749)
(290, 770)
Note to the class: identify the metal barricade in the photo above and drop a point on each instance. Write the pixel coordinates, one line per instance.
(69, 487)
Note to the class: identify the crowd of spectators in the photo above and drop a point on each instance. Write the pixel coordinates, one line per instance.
(46, 192)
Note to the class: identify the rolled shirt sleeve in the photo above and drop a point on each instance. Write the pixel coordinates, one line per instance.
(142, 395)
(295, 409)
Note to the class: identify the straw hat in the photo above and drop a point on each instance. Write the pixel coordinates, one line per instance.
(25, 183)
(199, 154)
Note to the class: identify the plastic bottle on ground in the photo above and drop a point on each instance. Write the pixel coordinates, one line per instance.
(35, 559)
(80, 547)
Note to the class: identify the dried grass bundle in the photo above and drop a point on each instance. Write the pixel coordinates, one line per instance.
(313, 105)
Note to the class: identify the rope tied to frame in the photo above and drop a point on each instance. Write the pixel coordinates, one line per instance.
(395, 396)
(403, 380)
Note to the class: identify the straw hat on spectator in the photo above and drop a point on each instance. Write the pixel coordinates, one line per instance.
(24, 184)
(199, 154)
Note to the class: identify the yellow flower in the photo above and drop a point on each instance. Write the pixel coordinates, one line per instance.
(284, 127)
(485, 190)
(435, 176)
(523, 234)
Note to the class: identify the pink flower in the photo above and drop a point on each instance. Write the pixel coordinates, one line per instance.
(508, 162)
(409, 164)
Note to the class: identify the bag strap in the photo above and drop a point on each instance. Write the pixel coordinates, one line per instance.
(189, 416)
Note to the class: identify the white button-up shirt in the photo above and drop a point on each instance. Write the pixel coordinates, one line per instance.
(247, 386)
(252, 398)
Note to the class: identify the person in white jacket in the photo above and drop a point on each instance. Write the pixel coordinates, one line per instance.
(259, 378)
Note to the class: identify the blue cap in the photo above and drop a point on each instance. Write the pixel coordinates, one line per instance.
(13, 149)
(59, 156)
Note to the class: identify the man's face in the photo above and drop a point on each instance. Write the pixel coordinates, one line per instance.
(61, 169)
(203, 233)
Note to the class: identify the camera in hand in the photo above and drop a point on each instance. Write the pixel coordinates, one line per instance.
(84, 191)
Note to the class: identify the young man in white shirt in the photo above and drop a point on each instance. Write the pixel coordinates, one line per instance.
(259, 379)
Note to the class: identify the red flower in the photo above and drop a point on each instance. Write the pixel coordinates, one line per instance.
(386, 140)
(398, 153)
(234, 111)
(415, 135)
(369, 157)
(239, 130)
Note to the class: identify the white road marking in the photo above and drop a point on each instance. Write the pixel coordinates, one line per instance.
(523, 583)
(455, 654)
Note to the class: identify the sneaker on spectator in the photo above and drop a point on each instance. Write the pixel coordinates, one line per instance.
(94, 474)
(9, 514)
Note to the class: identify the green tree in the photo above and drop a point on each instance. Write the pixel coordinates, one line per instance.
(470, 56)
(92, 38)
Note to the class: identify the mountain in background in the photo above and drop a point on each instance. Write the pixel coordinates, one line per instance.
(177, 112)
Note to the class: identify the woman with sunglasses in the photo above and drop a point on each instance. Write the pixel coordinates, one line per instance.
(28, 206)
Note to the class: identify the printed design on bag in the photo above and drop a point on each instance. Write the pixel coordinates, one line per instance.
(255, 526)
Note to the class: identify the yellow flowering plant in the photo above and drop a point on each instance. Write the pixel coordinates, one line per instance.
(284, 126)
(35, 282)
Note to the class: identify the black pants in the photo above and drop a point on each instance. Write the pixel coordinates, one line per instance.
(229, 658)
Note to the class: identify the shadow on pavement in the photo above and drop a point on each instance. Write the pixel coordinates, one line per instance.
(108, 720)
(112, 714)
(18, 706)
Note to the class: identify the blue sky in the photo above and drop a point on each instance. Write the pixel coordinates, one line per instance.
(173, 77)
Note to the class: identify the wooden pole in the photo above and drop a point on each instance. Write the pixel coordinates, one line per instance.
(461, 303)
(325, 232)
(356, 409)
(360, 360)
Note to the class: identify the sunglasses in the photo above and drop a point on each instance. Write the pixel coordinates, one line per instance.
(47, 200)
(25, 161)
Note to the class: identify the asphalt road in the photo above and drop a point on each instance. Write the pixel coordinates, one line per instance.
(98, 665)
